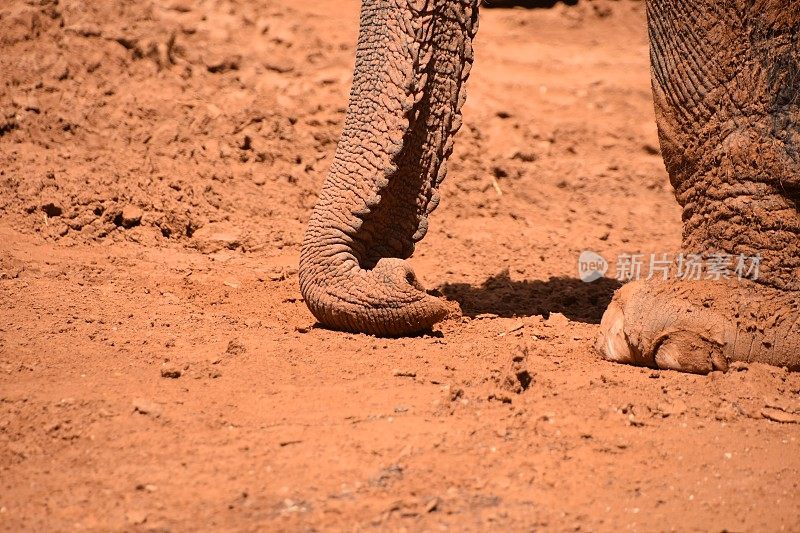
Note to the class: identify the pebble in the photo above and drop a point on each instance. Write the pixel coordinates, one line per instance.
(131, 216)
(235, 347)
(146, 407)
(281, 65)
(432, 504)
(219, 64)
(170, 371)
(556, 320)
(777, 415)
(525, 156)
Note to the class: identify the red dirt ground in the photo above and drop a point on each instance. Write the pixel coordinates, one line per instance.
(159, 370)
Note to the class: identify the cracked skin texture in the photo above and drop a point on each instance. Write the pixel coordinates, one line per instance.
(726, 87)
(729, 125)
(412, 62)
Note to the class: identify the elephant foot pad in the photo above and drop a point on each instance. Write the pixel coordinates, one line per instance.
(701, 326)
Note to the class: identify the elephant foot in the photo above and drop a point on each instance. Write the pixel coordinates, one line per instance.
(701, 326)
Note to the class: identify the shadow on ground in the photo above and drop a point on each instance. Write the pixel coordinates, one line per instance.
(502, 296)
(529, 4)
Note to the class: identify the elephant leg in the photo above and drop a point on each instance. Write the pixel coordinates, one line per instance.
(726, 84)
(412, 61)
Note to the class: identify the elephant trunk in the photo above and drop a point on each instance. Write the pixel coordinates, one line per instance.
(412, 60)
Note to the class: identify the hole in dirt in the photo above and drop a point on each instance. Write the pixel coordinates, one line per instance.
(528, 4)
(504, 297)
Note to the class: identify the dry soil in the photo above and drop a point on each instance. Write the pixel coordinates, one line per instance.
(160, 372)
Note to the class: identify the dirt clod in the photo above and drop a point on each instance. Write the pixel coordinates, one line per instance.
(235, 347)
(171, 371)
(777, 415)
(130, 216)
(147, 407)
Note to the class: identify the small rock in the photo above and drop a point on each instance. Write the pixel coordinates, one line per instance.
(131, 216)
(453, 394)
(525, 157)
(537, 334)
(403, 373)
(235, 347)
(86, 30)
(170, 371)
(556, 320)
(517, 378)
(146, 407)
(432, 505)
(220, 64)
(777, 415)
(499, 397)
(281, 65)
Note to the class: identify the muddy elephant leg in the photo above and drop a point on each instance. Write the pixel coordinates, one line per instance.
(412, 62)
(726, 84)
